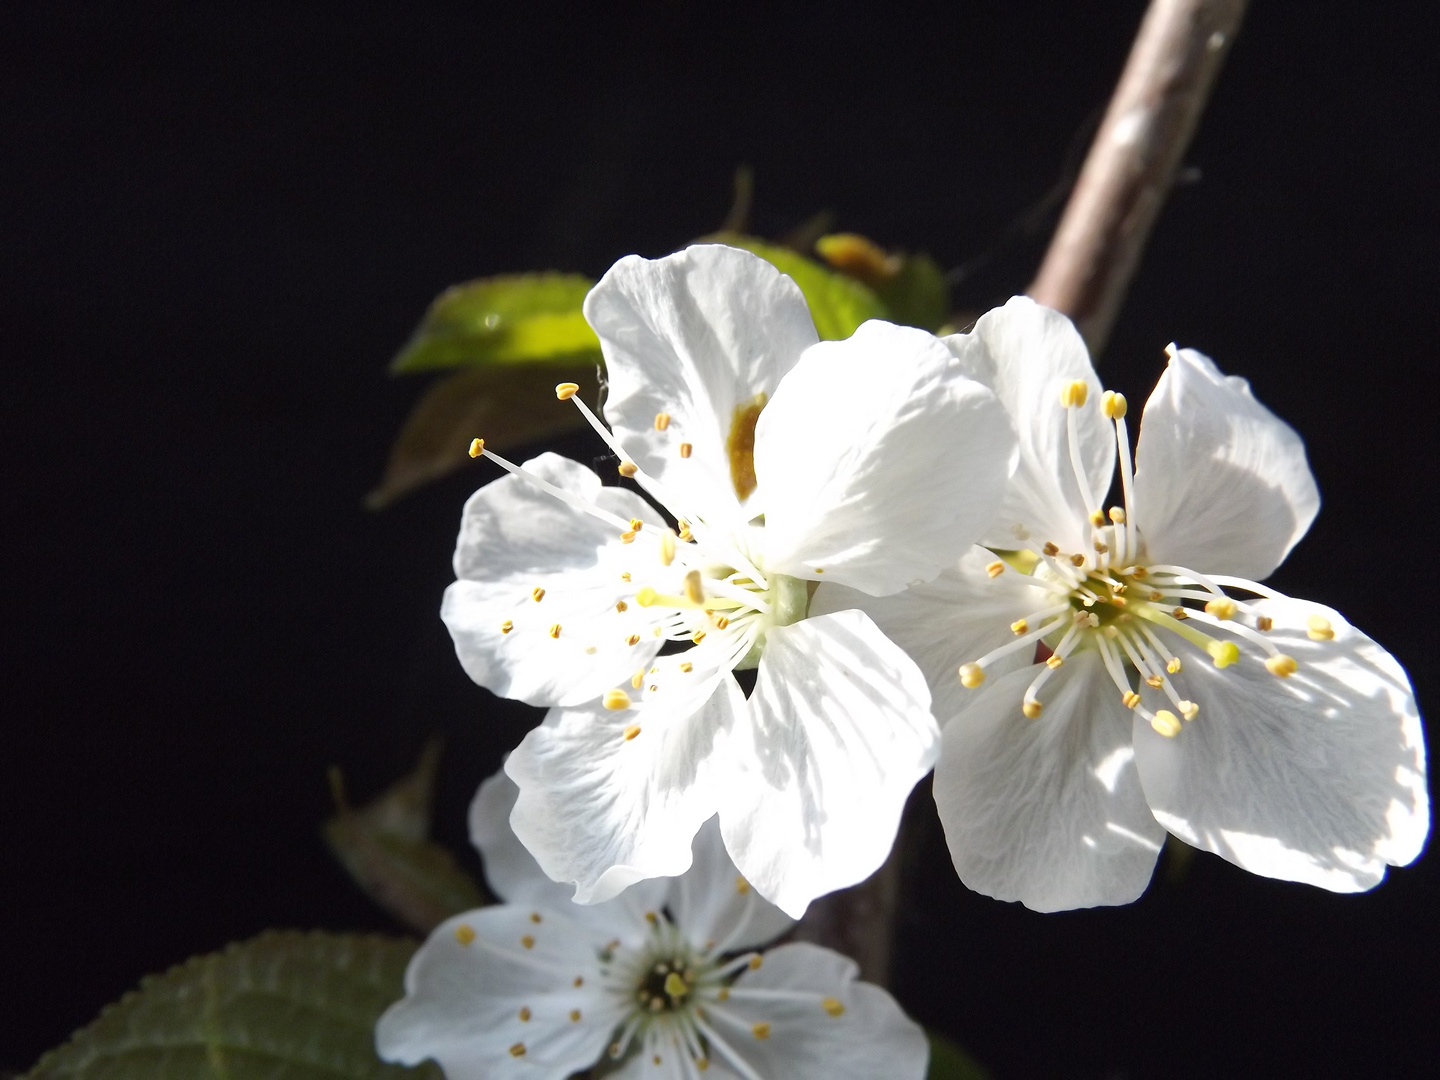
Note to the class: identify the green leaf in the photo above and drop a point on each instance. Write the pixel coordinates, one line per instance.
(282, 1006)
(949, 1062)
(918, 294)
(508, 406)
(385, 848)
(838, 304)
(511, 319)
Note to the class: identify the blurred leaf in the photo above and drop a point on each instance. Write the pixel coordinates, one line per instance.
(385, 848)
(838, 304)
(509, 405)
(282, 1006)
(509, 319)
(949, 1062)
(912, 287)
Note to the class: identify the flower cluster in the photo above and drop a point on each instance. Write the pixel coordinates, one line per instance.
(914, 542)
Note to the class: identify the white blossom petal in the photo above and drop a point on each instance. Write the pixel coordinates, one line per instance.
(1221, 482)
(516, 539)
(466, 987)
(516, 878)
(879, 461)
(1048, 811)
(604, 810)
(1027, 354)
(695, 336)
(1319, 777)
(713, 902)
(823, 1024)
(839, 731)
(957, 618)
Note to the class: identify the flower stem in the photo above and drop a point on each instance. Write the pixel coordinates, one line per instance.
(1131, 166)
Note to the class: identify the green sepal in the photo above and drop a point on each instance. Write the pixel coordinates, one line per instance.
(282, 1006)
(509, 319)
(918, 294)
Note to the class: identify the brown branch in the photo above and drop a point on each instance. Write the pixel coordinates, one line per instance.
(1131, 166)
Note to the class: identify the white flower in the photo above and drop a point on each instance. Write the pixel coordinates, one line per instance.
(661, 982)
(872, 461)
(1172, 691)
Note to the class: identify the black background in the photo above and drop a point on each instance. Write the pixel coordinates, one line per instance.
(220, 220)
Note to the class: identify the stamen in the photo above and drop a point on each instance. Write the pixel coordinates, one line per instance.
(685, 449)
(1073, 397)
(627, 469)
(567, 497)
(971, 675)
(1188, 709)
(537, 594)
(1281, 665)
(1032, 709)
(477, 447)
(662, 421)
(518, 1050)
(1130, 549)
(555, 630)
(615, 700)
(1166, 723)
(1074, 394)
(995, 569)
(1223, 608)
(1025, 639)
(1318, 628)
(1019, 626)
(506, 626)
(1264, 622)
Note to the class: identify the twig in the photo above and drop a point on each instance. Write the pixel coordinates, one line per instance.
(1131, 166)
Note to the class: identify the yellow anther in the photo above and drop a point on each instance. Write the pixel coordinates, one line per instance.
(1221, 607)
(518, 1050)
(755, 962)
(633, 639)
(1118, 600)
(1100, 546)
(1281, 665)
(686, 666)
(701, 1063)
(675, 986)
(579, 981)
(662, 421)
(652, 918)
(528, 941)
(625, 575)
(741, 886)
(693, 592)
(537, 594)
(1180, 613)
(722, 622)
(464, 933)
(995, 569)
(627, 537)
(1188, 709)
(1173, 665)
(1264, 622)
(1130, 699)
(590, 650)
(566, 390)
(760, 1030)
(1318, 628)
(1050, 549)
(833, 1006)
(636, 524)
(1117, 515)
(971, 675)
(667, 547)
(1097, 519)
(637, 679)
(698, 636)
(1224, 653)
(1031, 708)
(506, 626)
(477, 447)
(555, 630)
(1077, 560)
(616, 700)
(535, 918)
(1155, 682)
(627, 468)
(622, 606)
(819, 569)
(1156, 596)
(646, 596)
(1139, 573)
(524, 1014)
(1113, 405)
(685, 449)
(1019, 626)
(723, 994)
(574, 1016)
(1054, 661)
(684, 528)
(1075, 394)
(1166, 723)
